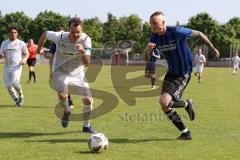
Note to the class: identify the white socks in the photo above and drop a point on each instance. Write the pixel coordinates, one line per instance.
(87, 110)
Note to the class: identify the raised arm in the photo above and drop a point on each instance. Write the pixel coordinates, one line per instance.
(41, 42)
(204, 38)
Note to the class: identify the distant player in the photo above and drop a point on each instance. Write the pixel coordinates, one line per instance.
(52, 51)
(15, 53)
(199, 60)
(151, 67)
(171, 41)
(31, 61)
(235, 63)
(73, 50)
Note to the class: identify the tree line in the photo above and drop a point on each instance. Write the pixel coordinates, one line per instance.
(124, 28)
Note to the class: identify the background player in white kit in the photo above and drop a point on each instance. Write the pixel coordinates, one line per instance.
(199, 60)
(16, 54)
(235, 63)
(73, 50)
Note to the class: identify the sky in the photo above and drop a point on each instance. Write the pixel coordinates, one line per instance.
(175, 10)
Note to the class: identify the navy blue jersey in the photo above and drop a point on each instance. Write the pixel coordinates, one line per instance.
(174, 46)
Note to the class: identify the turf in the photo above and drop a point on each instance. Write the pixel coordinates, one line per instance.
(135, 132)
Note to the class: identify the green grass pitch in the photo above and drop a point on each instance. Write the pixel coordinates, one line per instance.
(34, 132)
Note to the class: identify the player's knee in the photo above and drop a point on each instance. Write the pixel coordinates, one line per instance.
(87, 100)
(31, 68)
(152, 76)
(62, 96)
(165, 101)
(16, 84)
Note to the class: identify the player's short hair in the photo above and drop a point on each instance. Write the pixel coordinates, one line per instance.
(11, 28)
(76, 21)
(157, 13)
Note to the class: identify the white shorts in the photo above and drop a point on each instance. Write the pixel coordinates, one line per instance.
(235, 66)
(12, 75)
(199, 69)
(74, 84)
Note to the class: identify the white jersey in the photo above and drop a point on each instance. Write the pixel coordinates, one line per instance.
(235, 60)
(13, 52)
(199, 59)
(67, 59)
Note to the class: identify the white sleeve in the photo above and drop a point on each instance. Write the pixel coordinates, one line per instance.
(88, 46)
(24, 48)
(53, 36)
(204, 58)
(1, 48)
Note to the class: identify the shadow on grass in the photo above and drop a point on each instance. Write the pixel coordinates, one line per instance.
(30, 134)
(86, 152)
(118, 141)
(13, 106)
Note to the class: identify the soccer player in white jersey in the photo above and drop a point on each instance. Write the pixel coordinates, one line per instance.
(73, 50)
(235, 63)
(16, 54)
(200, 60)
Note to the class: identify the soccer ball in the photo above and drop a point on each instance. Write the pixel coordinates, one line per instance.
(98, 142)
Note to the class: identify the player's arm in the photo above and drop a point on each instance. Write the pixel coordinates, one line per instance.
(41, 42)
(204, 61)
(148, 50)
(1, 51)
(204, 38)
(50, 65)
(156, 55)
(84, 54)
(25, 57)
(25, 54)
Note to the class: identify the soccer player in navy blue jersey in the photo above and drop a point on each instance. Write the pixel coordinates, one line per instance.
(151, 67)
(172, 42)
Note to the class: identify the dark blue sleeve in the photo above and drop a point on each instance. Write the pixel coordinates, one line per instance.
(183, 33)
(53, 48)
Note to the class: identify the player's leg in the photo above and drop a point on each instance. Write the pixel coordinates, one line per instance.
(87, 111)
(8, 85)
(70, 101)
(234, 70)
(60, 82)
(152, 74)
(87, 102)
(15, 80)
(32, 69)
(63, 97)
(29, 71)
(167, 103)
(196, 73)
(147, 71)
(153, 79)
(165, 100)
(169, 88)
(180, 84)
(200, 74)
(200, 77)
